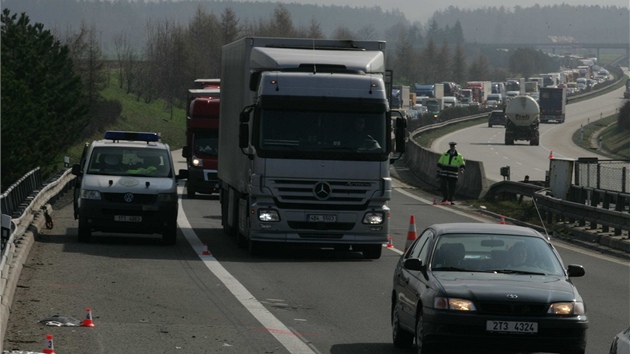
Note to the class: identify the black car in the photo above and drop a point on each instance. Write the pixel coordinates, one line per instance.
(491, 287)
(497, 117)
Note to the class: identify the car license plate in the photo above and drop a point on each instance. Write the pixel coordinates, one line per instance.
(128, 218)
(321, 217)
(512, 326)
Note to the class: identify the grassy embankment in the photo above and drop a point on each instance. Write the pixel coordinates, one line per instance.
(136, 115)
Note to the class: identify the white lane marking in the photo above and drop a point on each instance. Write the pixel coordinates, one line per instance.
(288, 338)
(452, 210)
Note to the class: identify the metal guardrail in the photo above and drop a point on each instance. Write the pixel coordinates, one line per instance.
(13, 199)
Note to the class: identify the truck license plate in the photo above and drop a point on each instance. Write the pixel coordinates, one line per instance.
(512, 326)
(128, 218)
(321, 217)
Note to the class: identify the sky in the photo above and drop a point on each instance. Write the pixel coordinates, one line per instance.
(422, 10)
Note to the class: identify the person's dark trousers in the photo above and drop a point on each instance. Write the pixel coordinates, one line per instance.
(448, 188)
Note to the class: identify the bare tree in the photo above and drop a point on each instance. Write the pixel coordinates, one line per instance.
(343, 32)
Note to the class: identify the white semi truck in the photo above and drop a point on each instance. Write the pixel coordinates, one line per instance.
(292, 167)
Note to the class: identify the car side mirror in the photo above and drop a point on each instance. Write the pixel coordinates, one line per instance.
(413, 264)
(575, 270)
(186, 152)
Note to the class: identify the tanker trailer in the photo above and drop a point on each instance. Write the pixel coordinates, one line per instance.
(523, 118)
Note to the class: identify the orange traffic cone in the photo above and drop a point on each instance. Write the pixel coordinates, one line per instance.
(551, 154)
(49, 347)
(411, 234)
(389, 243)
(205, 250)
(87, 322)
(502, 222)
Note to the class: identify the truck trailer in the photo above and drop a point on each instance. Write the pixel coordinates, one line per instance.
(553, 103)
(523, 120)
(202, 137)
(292, 167)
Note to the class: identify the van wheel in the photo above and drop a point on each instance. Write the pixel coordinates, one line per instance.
(84, 231)
(169, 237)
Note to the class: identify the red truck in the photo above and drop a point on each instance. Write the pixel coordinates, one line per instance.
(202, 137)
(480, 90)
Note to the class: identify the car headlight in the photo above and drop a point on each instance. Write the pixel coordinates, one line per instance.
(447, 303)
(373, 218)
(197, 162)
(566, 308)
(90, 194)
(267, 215)
(167, 197)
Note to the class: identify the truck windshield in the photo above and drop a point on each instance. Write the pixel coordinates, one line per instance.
(323, 133)
(206, 144)
(129, 161)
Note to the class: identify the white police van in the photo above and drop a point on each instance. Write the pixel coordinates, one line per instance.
(126, 183)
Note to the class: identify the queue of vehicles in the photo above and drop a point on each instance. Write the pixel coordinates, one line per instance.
(275, 139)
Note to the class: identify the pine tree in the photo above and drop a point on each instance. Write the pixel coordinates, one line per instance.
(43, 105)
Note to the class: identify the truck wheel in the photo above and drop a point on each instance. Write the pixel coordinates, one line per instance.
(489, 125)
(241, 240)
(169, 237)
(190, 191)
(256, 248)
(372, 251)
(84, 231)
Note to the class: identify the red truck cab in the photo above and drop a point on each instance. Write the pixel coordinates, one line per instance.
(202, 138)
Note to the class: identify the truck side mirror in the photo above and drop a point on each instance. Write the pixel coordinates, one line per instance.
(186, 152)
(243, 135)
(400, 134)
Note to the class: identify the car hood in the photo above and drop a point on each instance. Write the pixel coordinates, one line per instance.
(495, 287)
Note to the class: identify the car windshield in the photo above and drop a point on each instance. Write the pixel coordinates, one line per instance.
(496, 254)
(129, 161)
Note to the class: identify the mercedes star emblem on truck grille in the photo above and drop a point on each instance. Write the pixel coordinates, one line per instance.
(322, 190)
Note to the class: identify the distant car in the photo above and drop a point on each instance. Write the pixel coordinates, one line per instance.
(621, 343)
(497, 117)
(492, 104)
(492, 287)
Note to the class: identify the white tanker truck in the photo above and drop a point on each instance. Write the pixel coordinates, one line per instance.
(523, 118)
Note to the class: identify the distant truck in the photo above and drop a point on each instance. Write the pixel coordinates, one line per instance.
(553, 103)
(400, 97)
(202, 138)
(480, 90)
(523, 120)
(305, 143)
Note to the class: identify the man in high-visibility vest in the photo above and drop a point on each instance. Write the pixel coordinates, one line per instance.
(450, 165)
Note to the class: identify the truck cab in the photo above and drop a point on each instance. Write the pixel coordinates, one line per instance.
(202, 138)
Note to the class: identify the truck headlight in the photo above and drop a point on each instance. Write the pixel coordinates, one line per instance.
(197, 162)
(167, 197)
(267, 215)
(373, 218)
(90, 194)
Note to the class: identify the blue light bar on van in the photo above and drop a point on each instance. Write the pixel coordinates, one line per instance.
(132, 136)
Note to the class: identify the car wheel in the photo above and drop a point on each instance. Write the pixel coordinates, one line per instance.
(84, 231)
(489, 125)
(169, 237)
(401, 338)
(421, 345)
(372, 251)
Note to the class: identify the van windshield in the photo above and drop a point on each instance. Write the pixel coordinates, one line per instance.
(129, 161)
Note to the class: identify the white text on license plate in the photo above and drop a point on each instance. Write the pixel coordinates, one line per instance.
(322, 218)
(512, 326)
(128, 218)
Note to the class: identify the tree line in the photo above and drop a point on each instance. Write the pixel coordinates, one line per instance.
(52, 82)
